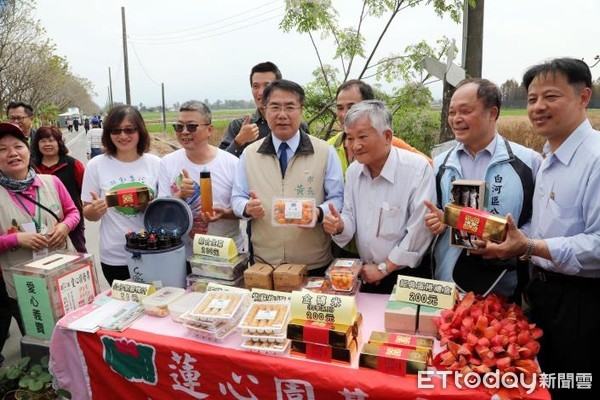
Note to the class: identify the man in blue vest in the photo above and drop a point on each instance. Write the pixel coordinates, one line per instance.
(481, 154)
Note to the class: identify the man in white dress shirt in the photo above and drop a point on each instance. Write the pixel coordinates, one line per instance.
(383, 199)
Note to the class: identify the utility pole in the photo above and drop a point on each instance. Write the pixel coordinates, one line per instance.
(473, 56)
(164, 111)
(110, 90)
(125, 59)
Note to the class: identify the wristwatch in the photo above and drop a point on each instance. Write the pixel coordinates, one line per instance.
(528, 250)
(382, 267)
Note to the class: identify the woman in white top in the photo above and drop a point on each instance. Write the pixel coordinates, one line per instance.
(124, 164)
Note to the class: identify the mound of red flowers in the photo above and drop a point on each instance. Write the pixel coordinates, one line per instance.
(484, 335)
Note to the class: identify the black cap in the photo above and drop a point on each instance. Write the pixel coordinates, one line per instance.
(13, 130)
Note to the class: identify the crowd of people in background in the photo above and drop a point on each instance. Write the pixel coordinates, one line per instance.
(377, 198)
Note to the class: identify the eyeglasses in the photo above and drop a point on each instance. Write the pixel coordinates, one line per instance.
(128, 131)
(276, 108)
(191, 128)
(17, 119)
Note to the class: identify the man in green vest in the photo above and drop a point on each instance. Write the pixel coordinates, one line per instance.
(287, 164)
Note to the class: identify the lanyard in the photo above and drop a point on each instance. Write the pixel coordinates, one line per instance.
(38, 223)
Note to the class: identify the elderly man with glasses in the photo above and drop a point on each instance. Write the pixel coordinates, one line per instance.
(291, 164)
(21, 114)
(180, 173)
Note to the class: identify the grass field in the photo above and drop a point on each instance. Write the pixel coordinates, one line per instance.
(513, 124)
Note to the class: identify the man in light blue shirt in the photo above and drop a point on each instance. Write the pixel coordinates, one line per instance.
(564, 242)
(311, 170)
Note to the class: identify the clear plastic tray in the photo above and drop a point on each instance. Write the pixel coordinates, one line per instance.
(213, 336)
(343, 273)
(271, 348)
(229, 270)
(199, 283)
(265, 337)
(184, 304)
(218, 306)
(157, 304)
(265, 317)
(294, 212)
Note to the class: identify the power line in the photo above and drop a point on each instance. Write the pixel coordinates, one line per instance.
(206, 36)
(209, 23)
(209, 32)
(142, 65)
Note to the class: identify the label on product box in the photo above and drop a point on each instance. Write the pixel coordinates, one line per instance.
(270, 295)
(293, 210)
(217, 287)
(323, 307)
(131, 291)
(318, 353)
(317, 332)
(426, 292)
(215, 246)
(390, 361)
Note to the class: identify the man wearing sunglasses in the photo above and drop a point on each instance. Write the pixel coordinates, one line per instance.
(288, 163)
(180, 173)
(245, 130)
(21, 114)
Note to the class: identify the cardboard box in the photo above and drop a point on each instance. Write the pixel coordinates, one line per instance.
(426, 324)
(393, 360)
(324, 353)
(410, 342)
(479, 223)
(335, 335)
(401, 317)
(128, 197)
(289, 277)
(259, 276)
(469, 193)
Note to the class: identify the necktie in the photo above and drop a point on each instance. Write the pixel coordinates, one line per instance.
(283, 161)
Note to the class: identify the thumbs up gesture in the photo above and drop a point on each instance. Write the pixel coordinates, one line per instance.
(248, 132)
(332, 222)
(434, 218)
(254, 207)
(96, 208)
(187, 185)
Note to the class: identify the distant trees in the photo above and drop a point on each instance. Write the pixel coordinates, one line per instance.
(31, 72)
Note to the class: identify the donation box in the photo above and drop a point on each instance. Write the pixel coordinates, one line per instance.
(50, 287)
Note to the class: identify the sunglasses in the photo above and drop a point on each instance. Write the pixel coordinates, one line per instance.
(128, 131)
(191, 128)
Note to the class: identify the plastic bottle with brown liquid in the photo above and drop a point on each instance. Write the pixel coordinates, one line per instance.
(206, 192)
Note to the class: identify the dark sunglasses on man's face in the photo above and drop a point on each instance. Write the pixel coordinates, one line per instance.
(127, 131)
(191, 128)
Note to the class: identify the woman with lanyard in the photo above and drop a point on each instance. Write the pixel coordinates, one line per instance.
(50, 157)
(36, 217)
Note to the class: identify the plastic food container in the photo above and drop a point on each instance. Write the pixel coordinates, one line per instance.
(213, 336)
(265, 337)
(343, 273)
(218, 306)
(294, 212)
(157, 304)
(265, 317)
(318, 284)
(184, 304)
(215, 268)
(199, 283)
(271, 348)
